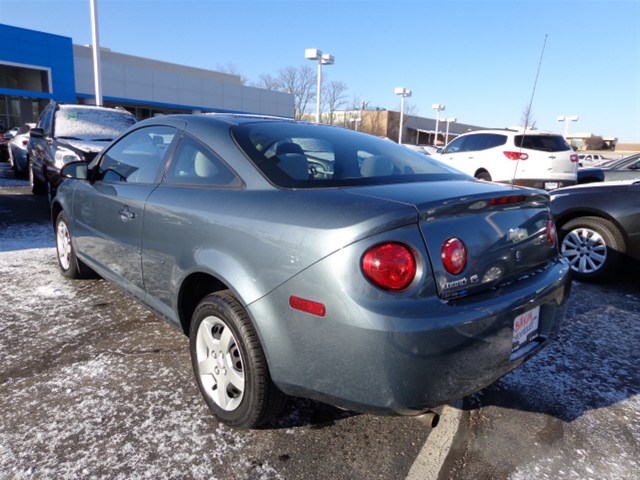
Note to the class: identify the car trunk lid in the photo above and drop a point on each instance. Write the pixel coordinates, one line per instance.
(505, 231)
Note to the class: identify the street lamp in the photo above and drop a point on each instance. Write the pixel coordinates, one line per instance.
(97, 69)
(403, 92)
(438, 108)
(322, 59)
(448, 120)
(566, 120)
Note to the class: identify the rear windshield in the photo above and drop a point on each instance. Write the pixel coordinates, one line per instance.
(302, 155)
(544, 143)
(91, 123)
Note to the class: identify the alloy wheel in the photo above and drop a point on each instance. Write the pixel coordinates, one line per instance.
(585, 249)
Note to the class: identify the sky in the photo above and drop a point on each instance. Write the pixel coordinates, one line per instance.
(485, 61)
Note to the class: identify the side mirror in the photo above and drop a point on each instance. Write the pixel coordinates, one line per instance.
(36, 133)
(75, 170)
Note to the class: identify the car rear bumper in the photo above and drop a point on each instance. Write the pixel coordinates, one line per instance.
(544, 184)
(406, 359)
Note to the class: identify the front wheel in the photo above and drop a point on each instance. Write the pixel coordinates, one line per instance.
(69, 264)
(230, 365)
(593, 246)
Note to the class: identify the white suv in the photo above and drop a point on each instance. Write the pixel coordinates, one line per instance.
(533, 158)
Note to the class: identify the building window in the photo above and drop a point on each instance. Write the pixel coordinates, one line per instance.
(19, 77)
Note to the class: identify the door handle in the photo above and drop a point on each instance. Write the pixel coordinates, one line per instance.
(126, 214)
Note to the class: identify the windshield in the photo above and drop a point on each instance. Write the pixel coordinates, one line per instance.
(543, 143)
(301, 155)
(91, 123)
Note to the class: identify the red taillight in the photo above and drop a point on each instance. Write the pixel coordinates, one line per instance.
(308, 306)
(454, 255)
(551, 233)
(391, 266)
(507, 200)
(516, 155)
(574, 158)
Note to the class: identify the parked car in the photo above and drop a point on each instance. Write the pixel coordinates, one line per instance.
(599, 226)
(18, 150)
(591, 159)
(67, 133)
(426, 149)
(4, 143)
(624, 169)
(316, 261)
(533, 158)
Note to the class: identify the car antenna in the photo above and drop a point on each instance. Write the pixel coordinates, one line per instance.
(528, 113)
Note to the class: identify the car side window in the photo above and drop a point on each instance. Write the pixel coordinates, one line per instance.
(484, 141)
(634, 166)
(137, 157)
(455, 145)
(45, 121)
(195, 164)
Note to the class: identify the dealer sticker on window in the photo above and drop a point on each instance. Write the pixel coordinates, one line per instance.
(525, 328)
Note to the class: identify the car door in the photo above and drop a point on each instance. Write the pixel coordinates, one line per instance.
(178, 225)
(39, 142)
(109, 210)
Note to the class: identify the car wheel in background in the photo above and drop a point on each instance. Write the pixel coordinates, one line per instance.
(593, 246)
(37, 187)
(69, 264)
(230, 365)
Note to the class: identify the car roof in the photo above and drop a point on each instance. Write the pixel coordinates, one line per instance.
(511, 130)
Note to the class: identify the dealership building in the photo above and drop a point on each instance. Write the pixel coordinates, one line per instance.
(38, 67)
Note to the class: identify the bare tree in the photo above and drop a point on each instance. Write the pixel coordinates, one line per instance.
(527, 118)
(269, 82)
(299, 82)
(232, 69)
(334, 97)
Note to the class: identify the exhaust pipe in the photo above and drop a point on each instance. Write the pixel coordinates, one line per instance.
(429, 418)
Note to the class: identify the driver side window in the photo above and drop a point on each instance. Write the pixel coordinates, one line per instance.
(138, 157)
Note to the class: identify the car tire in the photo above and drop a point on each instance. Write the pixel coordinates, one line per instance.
(69, 264)
(229, 364)
(37, 187)
(593, 246)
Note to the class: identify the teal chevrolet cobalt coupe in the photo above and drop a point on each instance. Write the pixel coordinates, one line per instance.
(315, 261)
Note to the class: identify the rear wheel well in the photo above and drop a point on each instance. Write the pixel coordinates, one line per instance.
(483, 174)
(194, 288)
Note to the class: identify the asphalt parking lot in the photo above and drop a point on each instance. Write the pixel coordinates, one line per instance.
(93, 385)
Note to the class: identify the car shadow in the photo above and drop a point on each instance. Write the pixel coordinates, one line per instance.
(593, 363)
(301, 412)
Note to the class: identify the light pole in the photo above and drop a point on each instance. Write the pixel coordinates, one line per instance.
(448, 120)
(322, 59)
(566, 120)
(438, 108)
(403, 92)
(97, 70)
